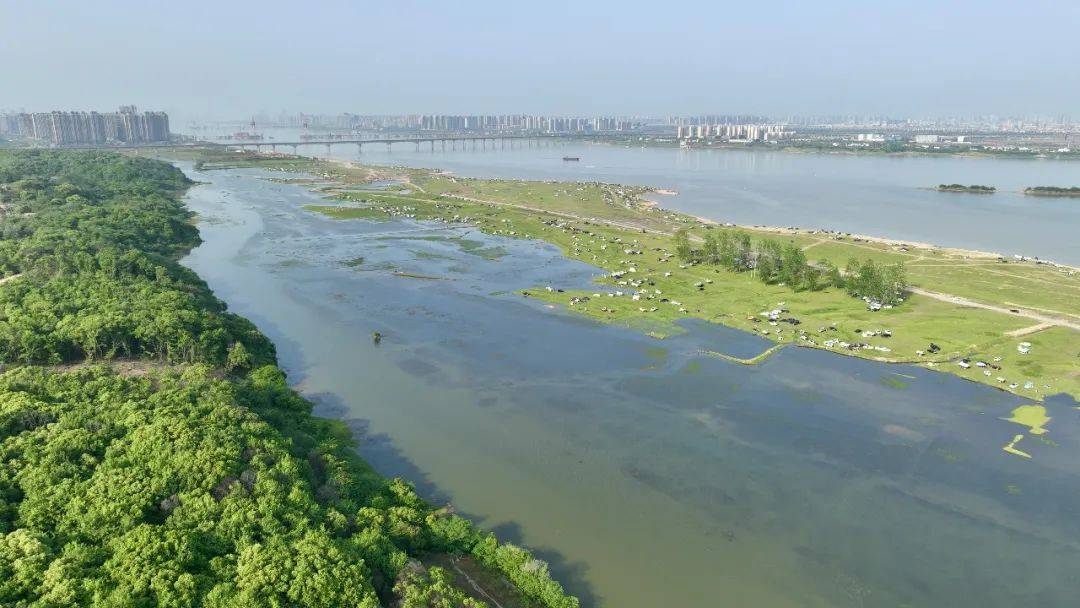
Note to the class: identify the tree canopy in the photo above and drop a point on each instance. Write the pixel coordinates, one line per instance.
(774, 262)
(203, 479)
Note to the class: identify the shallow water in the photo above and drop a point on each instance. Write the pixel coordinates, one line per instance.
(647, 475)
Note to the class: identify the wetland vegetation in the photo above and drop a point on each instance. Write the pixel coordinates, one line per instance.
(960, 307)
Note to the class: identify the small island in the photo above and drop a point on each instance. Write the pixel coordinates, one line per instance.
(1052, 191)
(975, 188)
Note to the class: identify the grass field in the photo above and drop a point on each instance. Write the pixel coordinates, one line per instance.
(611, 227)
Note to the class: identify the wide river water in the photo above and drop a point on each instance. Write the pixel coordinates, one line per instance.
(646, 474)
(876, 195)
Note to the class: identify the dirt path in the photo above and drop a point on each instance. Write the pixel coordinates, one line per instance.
(475, 586)
(1023, 331)
(1042, 319)
(1049, 310)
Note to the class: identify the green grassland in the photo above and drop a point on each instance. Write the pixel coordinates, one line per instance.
(612, 228)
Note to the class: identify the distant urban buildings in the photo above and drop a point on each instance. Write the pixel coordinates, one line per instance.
(522, 122)
(486, 123)
(733, 132)
(128, 126)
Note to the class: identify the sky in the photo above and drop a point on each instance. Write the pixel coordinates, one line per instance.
(233, 58)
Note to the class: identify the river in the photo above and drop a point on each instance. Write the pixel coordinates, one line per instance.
(644, 473)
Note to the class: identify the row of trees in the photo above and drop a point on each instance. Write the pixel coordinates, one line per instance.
(774, 262)
(202, 484)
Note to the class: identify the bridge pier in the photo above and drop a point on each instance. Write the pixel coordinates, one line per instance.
(328, 149)
(359, 148)
(294, 149)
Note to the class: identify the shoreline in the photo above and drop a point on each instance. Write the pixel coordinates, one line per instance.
(881, 240)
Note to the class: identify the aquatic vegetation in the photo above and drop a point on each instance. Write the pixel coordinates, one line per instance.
(656, 353)
(429, 255)
(291, 263)
(755, 360)
(893, 382)
(947, 455)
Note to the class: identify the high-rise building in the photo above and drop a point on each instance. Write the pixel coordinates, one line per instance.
(128, 126)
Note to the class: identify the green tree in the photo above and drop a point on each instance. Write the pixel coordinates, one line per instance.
(238, 358)
(682, 245)
(711, 251)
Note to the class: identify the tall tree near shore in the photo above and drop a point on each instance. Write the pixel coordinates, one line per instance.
(682, 245)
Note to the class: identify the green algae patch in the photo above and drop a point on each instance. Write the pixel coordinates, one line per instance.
(1032, 416)
(656, 353)
(428, 255)
(751, 361)
(1046, 441)
(349, 213)
(948, 456)
(894, 383)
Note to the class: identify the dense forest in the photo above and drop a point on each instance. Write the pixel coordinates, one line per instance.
(194, 476)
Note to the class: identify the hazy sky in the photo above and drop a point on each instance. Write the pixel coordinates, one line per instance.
(233, 58)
